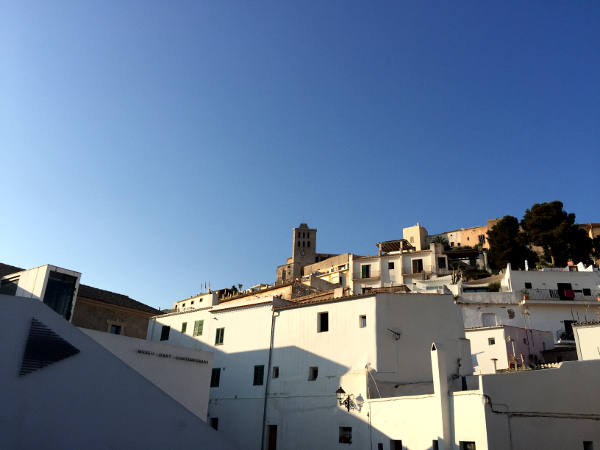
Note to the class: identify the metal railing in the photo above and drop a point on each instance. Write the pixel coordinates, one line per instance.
(558, 295)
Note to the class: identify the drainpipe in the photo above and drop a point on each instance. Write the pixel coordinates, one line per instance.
(264, 420)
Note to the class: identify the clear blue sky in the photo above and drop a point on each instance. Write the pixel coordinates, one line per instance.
(155, 146)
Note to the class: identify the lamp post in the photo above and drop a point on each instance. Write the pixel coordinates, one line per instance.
(345, 400)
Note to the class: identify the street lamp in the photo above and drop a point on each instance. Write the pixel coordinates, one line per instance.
(344, 399)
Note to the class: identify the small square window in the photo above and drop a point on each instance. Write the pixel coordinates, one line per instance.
(524, 341)
(183, 327)
(362, 321)
(215, 377)
(345, 435)
(276, 372)
(164, 333)
(259, 374)
(220, 336)
(313, 373)
(323, 322)
(466, 445)
(587, 292)
(491, 341)
(391, 265)
(115, 329)
(192, 302)
(527, 285)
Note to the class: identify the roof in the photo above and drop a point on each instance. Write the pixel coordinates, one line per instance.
(394, 246)
(484, 281)
(93, 293)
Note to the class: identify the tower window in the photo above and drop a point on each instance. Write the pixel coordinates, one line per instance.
(308, 244)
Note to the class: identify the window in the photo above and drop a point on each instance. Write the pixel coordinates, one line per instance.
(192, 302)
(442, 263)
(198, 327)
(308, 244)
(527, 285)
(587, 292)
(467, 445)
(345, 435)
(434, 445)
(391, 265)
(366, 271)
(482, 239)
(451, 244)
(491, 341)
(259, 373)
(323, 322)
(164, 333)
(276, 372)
(215, 377)
(220, 336)
(417, 265)
(396, 445)
(362, 321)
(183, 327)
(214, 422)
(115, 329)
(313, 373)
(588, 445)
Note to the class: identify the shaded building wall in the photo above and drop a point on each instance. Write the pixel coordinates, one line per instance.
(100, 316)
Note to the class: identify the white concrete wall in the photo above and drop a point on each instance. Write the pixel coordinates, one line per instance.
(90, 400)
(587, 338)
(543, 408)
(182, 373)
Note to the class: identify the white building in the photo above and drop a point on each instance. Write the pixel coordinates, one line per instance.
(587, 339)
(503, 347)
(402, 362)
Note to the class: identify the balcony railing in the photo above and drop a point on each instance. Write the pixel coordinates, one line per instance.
(562, 295)
(413, 270)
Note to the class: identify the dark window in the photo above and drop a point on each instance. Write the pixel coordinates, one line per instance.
(466, 445)
(527, 285)
(482, 238)
(308, 244)
(345, 435)
(391, 265)
(164, 333)
(417, 265)
(366, 271)
(491, 341)
(276, 372)
(308, 235)
(198, 327)
(380, 446)
(323, 322)
(115, 329)
(214, 422)
(183, 327)
(215, 378)
(59, 293)
(362, 321)
(588, 445)
(259, 373)
(434, 445)
(9, 287)
(442, 263)
(313, 373)
(587, 292)
(220, 336)
(396, 445)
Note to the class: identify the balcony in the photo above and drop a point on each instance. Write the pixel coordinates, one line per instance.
(427, 269)
(564, 295)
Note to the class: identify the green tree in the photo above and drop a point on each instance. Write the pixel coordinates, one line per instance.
(441, 240)
(549, 226)
(507, 245)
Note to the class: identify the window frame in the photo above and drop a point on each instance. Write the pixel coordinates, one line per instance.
(198, 327)
(215, 377)
(220, 336)
(165, 331)
(362, 321)
(323, 322)
(183, 327)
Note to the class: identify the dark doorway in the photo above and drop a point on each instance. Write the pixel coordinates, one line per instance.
(565, 291)
(272, 443)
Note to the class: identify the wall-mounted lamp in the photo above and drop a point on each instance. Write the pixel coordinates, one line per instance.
(345, 400)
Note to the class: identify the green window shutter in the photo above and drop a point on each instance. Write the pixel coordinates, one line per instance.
(215, 378)
(220, 336)
(183, 327)
(198, 327)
